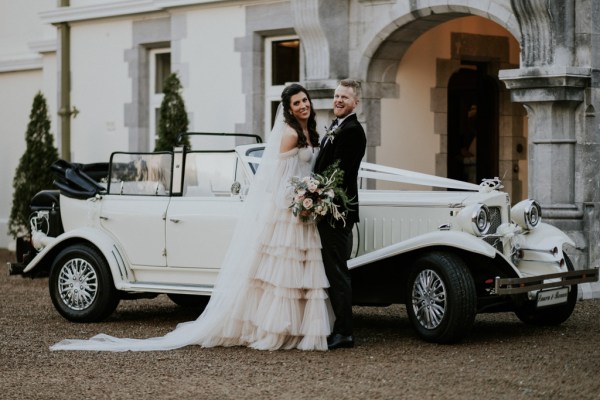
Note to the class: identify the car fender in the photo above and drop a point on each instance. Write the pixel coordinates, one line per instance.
(114, 256)
(541, 251)
(456, 239)
(547, 236)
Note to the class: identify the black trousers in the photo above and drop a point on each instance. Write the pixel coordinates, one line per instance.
(336, 250)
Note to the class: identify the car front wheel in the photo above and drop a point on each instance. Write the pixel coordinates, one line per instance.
(442, 300)
(81, 286)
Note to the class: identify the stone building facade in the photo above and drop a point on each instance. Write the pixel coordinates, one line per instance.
(529, 68)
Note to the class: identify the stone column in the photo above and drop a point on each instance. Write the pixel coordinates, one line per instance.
(553, 97)
(557, 84)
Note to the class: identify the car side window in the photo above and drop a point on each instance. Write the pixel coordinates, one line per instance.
(146, 174)
(209, 174)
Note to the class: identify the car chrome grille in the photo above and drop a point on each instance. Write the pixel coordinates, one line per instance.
(495, 221)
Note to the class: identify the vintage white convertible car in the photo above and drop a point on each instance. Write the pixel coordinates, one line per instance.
(161, 222)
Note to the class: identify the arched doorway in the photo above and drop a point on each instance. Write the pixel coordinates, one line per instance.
(472, 124)
(412, 130)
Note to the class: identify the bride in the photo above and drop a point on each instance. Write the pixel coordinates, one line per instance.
(271, 290)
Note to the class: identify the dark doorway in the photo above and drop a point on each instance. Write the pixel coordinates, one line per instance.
(472, 124)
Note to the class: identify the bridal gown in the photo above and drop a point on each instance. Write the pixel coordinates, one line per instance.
(282, 304)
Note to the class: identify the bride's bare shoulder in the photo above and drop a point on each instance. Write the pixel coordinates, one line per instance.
(289, 139)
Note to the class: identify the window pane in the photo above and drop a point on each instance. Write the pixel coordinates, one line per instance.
(163, 70)
(285, 61)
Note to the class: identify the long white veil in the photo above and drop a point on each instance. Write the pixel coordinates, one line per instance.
(221, 322)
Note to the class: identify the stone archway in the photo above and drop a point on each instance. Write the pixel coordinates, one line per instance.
(466, 50)
(378, 62)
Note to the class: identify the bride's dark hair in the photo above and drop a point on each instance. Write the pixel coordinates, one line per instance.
(286, 97)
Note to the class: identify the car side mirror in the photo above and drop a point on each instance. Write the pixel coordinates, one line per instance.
(236, 187)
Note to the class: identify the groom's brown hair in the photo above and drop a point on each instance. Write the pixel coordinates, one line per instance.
(355, 85)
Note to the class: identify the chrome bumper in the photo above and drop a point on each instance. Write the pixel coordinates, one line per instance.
(524, 285)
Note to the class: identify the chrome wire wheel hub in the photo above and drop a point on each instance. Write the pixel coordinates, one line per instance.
(77, 284)
(429, 299)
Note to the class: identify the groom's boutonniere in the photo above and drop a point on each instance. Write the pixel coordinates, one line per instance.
(331, 133)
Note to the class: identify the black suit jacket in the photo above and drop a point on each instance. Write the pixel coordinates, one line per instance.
(349, 147)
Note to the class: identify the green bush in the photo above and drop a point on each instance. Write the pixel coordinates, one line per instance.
(33, 172)
(173, 116)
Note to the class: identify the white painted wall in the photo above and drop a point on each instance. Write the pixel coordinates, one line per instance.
(20, 26)
(85, 3)
(20, 31)
(14, 114)
(101, 87)
(214, 91)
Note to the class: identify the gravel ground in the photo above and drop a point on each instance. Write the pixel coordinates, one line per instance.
(501, 359)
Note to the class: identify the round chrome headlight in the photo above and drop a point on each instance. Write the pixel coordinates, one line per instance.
(527, 214)
(481, 219)
(475, 219)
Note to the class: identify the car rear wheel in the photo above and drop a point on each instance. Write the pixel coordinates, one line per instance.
(441, 302)
(188, 300)
(81, 286)
(550, 316)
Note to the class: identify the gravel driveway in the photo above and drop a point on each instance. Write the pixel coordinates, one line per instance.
(501, 359)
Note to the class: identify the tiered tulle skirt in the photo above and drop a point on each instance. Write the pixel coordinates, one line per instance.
(281, 304)
(287, 305)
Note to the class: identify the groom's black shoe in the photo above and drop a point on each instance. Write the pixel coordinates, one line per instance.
(338, 341)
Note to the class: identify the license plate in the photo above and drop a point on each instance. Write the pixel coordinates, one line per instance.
(551, 297)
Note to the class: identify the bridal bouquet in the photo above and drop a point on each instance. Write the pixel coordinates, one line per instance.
(319, 195)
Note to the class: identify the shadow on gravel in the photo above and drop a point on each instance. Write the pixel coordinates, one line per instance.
(372, 324)
(153, 311)
(392, 324)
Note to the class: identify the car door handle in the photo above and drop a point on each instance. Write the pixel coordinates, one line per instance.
(102, 217)
(175, 220)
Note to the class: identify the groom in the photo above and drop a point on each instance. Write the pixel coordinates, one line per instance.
(347, 144)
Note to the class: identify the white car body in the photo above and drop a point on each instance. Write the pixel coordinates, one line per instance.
(156, 240)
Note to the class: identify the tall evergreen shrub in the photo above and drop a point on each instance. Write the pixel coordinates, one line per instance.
(33, 172)
(173, 116)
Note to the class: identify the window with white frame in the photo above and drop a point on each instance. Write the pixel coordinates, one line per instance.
(160, 69)
(282, 66)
